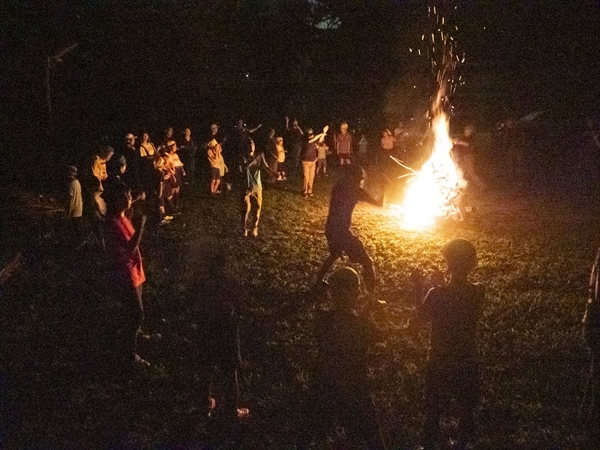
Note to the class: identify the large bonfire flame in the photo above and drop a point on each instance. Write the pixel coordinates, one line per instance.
(432, 193)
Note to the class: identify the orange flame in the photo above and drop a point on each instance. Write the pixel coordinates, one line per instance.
(432, 193)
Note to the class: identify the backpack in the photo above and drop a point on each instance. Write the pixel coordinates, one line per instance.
(591, 318)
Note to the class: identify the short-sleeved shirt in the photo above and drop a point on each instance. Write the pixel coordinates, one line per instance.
(253, 178)
(343, 144)
(75, 199)
(322, 150)
(387, 142)
(125, 265)
(453, 311)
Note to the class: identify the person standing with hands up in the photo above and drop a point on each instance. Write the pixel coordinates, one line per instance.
(126, 272)
(309, 160)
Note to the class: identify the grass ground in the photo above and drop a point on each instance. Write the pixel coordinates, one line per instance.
(535, 247)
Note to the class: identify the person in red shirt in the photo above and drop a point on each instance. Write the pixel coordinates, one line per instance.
(126, 271)
(343, 144)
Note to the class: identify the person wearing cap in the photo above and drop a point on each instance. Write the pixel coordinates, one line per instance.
(217, 166)
(309, 160)
(452, 309)
(341, 392)
(343, 144)
(126, 272)
(346, 193)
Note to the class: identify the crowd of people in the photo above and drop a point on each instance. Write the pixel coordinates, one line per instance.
(121, 188)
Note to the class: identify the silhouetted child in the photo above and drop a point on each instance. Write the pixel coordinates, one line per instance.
(125, 275)
(218, 298)
(452, 366)
(341, 394)
(341, 241)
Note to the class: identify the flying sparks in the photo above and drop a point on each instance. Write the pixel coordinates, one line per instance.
(433, 192)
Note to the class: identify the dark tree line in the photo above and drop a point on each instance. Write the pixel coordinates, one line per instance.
(148, 63)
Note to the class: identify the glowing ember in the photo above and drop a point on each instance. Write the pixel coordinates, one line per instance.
(432, 193)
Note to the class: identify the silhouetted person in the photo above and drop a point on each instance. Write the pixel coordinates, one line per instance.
(340, 395)
(218, 299)
(341, 241)
(463, 154)
(452, 364)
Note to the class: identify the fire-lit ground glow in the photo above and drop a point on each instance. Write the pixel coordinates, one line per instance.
(432, 192)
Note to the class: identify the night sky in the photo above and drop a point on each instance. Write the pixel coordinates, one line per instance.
(146, 64)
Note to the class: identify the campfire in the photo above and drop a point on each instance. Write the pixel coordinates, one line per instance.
(432, 192)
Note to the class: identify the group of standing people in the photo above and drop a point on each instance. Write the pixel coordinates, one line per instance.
(452, 304)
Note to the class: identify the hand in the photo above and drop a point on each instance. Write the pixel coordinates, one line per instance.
(325, 128)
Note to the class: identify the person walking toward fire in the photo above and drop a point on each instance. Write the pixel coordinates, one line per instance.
(453, 309)
(341, 241)
(591, 334)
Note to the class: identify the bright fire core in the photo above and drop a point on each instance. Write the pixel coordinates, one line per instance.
(432, 192)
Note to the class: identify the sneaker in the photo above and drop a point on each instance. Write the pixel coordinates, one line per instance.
(164, 222)
(255, 232)
(168, 218)
(140, 362)
(310, 194)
